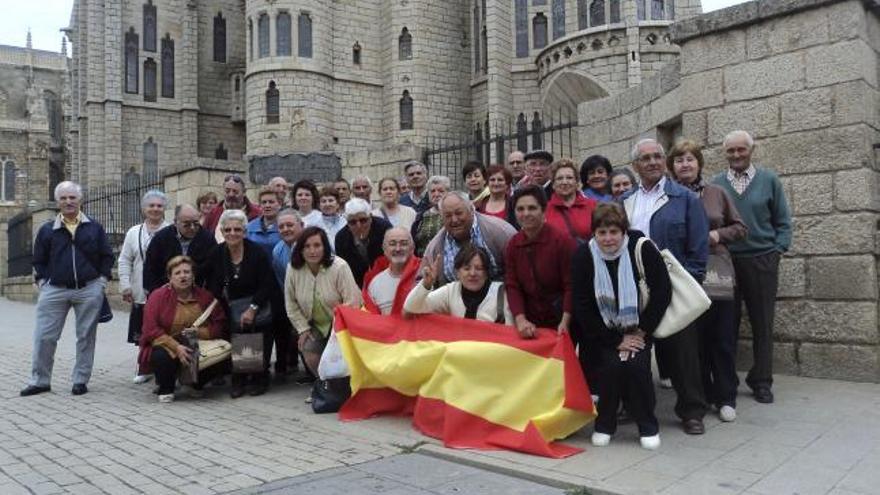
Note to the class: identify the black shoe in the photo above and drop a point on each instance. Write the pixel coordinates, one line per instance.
(236, 392)
(259, 390)
(763, 395)
(79, 389)
(280, 378)
(693, 426)
(34, 390)
(306, 379)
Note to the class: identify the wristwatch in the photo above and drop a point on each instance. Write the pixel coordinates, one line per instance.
(254, 307)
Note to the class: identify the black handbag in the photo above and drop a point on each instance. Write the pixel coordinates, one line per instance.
(329, 395)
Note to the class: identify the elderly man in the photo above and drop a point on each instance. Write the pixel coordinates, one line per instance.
(280, 186)
(290, 225)
(263, 230)
(234, 198)
(417, 179)
(760, 200)
(72, 263)
(362, 187)
(463, 225)
(359, 243)
(673, 217)
(516, 163)
(184, 237)
(538, 171)
(343, 189)
(392, 276)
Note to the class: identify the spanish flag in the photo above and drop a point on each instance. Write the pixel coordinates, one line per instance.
(469, 383)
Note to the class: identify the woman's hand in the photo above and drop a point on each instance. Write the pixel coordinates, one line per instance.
(632, 342)
(525, 328)
(714, 238)
(564, 324)
(126, 296)
(429, 273)
(247, 318)
(184, 353)
(303, 340)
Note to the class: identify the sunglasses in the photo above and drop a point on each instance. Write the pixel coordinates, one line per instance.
(234, 178)
(229, 230)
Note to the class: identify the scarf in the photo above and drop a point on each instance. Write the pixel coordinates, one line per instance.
(619, 313)
(697, 186)
(473, 299)
(451, 247)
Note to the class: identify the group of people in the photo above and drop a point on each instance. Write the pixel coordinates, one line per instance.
(536, 244)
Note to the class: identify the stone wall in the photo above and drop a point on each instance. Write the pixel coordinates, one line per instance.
(802, 77)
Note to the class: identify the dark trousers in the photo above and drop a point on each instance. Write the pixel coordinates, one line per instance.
(166, 368)
(628, 381)
(279, 335)
(717, 334)
(664, 361)
(757, 279)
(683, 350)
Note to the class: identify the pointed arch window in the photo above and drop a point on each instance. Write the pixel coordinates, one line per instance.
(9, 181)
(583, 14)
(304, 23)
(250, 39)
(219, 38)
(167, 67)
(149, 80)
(149, 26)
(4, 99)
(640, 10)
(537, 132)
(657, 10)
(614, 11)
(53, 114)
(221, 153)
(597, 13)
(356, 53)
(404, 45)
(484, 40)
(132, 74)
(151, 159)
(522, 133)
(558, 9)
(521, 13)
(263, 35)
(477, 57)
(539, 31)
(282, 35)
(273, 104)
(406, 111)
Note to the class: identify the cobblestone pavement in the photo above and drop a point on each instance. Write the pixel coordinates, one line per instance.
(820, 436)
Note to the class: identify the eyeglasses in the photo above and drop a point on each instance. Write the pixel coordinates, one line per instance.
(191, 224)
(358, 221)
(229, 230)
(394, 244)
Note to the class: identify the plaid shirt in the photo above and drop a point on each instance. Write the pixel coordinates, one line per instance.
(741, 180)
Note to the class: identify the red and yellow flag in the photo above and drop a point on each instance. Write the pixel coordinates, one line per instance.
(469, 383)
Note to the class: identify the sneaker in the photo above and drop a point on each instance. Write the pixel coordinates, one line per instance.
(727, 414)
(600, 439)
(595, 399)
(308, 400)
(665, 383)
(166, 398)
(139, 379)
(650, 443)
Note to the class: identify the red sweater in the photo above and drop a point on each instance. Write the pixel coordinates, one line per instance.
(580, 214)
(538, 274)
(251, 210)
(159, 315)
(407, 281)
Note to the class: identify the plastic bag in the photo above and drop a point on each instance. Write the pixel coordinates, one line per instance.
(332, 363)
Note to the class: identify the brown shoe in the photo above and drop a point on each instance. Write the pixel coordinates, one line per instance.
(693, 426)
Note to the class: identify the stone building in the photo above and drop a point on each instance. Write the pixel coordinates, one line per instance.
(308, 88)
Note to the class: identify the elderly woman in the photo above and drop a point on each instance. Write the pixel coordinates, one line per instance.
(391, 210)
(538, 267)
(622, 182)
(716, 327)
(595, 176)
(568, 210)
(360, 243)
(305, 201)
(316, 282)
(429, 222)
(471, 296)
(170, 309)
(475, 180)
(616, 325)
(238, 272)
(497, 203)
(131, 264)
(205, 204)
(330, 221)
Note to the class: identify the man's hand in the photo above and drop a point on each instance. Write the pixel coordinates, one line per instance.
(127, 297)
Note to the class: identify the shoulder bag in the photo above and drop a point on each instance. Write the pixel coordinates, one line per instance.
(688, 301)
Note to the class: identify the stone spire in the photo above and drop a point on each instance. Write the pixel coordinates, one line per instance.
(64, 45)
(30, 43)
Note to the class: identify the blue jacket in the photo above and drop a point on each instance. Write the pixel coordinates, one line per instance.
(72, 261)
(265, 238)
(280, 261)
(680, 225)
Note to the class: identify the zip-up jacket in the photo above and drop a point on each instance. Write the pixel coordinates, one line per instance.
(69, 261)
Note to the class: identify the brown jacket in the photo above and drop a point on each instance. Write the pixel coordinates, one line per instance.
(723, 218)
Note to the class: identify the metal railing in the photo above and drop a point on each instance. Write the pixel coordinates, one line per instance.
(117, 206)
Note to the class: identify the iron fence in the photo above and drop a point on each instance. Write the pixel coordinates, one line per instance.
(117, 206)
(20, 239)
(493, 141)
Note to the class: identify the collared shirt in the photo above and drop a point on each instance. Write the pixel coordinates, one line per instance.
(71, 226)
(645, 205)
(184, 244)
(740, 180)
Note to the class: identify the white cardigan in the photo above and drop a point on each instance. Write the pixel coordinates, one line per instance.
(131, 263)
(447, 300)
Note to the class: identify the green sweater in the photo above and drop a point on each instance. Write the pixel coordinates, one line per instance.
(765, 212)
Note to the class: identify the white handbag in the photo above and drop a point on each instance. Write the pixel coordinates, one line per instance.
(688, 302)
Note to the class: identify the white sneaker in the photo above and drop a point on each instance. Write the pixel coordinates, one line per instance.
(727, 414)
(665, 383)
(650, 443)
(138, 379)
(166, 398)
(600, 439)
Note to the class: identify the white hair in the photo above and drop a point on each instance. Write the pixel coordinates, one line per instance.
(68, 186)
(291, 212)
(634, 154)
(154, 194)
(363, 178)
(233, 216)
(440, 180)
(463, 196)
(739, 134)
(356, 206)
(414, 163)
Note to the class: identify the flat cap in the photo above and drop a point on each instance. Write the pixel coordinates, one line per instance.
(539, 155)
